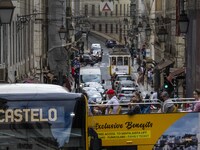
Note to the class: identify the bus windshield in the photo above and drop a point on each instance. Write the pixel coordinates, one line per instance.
(41, 124)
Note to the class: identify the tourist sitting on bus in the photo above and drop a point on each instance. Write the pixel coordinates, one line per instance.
(112, 106)
(135, 108)
(168, 105)
(196, 95)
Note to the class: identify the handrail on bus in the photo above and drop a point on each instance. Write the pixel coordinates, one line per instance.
(156, 103)
(124, 106)
(179, 102)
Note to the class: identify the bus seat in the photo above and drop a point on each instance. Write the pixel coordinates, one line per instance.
(118, 110)
(175, 109)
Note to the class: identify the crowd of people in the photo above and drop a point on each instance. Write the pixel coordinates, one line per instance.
(137, 104)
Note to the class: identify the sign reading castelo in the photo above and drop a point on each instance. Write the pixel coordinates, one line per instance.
(28, 115)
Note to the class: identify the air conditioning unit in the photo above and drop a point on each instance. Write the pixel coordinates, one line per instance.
(2, 74)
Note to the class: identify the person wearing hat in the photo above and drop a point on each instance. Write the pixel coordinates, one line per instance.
(112, 104)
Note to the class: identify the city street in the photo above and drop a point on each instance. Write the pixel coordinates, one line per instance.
(100, 38)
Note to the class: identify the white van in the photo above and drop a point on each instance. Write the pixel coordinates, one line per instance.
(90, 74)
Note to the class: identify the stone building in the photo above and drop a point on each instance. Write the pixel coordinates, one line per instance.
(23, 43)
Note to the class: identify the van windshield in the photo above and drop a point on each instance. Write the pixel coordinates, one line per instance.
(90, 78)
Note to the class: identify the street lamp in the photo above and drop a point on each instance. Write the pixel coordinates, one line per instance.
(183, 22)
(148, 30)
(6, 11)
(70, 30)
(162, 34)
(62, 32)
(140, 26)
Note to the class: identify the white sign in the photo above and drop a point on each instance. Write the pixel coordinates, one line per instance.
(148, 53)
(84, 34)
(106, 6)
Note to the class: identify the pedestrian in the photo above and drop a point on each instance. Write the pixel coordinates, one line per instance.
(196, 95)
(112, 106)
(67, 84)
(141, 72)
(168, 105)
(73, 71)
(150, 76)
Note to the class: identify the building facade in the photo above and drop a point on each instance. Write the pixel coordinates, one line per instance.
(192, 47)
(22, 43)
(114, 23)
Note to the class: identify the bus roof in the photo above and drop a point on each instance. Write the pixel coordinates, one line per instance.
(36, 92)
(90, 70)
(31, 88)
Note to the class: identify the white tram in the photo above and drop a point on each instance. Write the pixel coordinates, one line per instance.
(119, 61)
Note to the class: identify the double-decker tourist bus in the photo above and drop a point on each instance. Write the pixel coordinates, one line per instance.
(178, 130)
(119, 60)
(43, 116)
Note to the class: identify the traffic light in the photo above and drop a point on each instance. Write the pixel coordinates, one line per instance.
(167, 86)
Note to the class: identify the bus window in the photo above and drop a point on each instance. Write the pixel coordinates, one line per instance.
(119, 61)
(125, 60)
(113, 60)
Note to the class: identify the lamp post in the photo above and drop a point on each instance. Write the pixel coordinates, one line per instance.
(148, 30)
(6, 11)
(183, 22)
(62, 32)
(162, 34)
(140, 26)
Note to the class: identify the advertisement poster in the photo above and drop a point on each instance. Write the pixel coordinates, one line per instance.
(149, 131)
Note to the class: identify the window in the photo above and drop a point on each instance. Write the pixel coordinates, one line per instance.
(106, 14)
(111, 28)
(116, 28)
(124, 9)
(127, 10)
(111, 13)
(106, 28)
(120, 10)
(100, 11)
(113, 60)
(119, 61)
(125, 60)
(93, 10)
(93, 26)
(116, 10)
(86, 10)
(100, 27)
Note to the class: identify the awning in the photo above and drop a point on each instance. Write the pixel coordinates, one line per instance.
(175, 72)
(164, 64)
(31, 80)
(74, 49)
